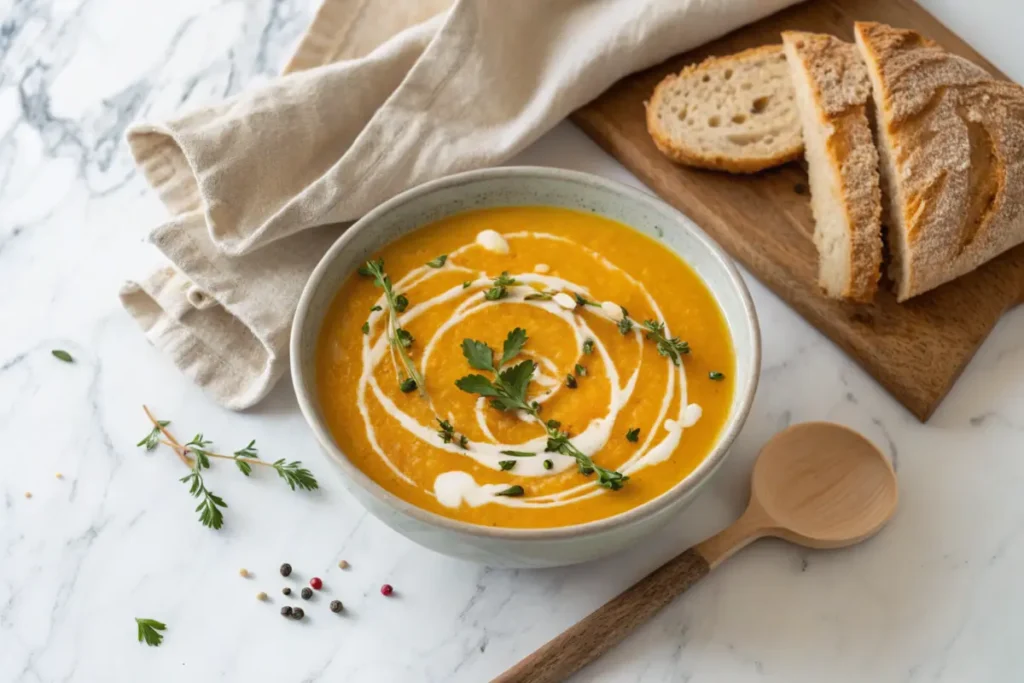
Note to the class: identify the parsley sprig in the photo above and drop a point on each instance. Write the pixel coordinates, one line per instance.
(399, 340)
(197, 454)
(149, 631)
(507, 391)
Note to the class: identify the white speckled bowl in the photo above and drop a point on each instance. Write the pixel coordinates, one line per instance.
(525, 186)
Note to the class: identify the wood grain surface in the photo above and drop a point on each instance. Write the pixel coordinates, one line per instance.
(915, 350)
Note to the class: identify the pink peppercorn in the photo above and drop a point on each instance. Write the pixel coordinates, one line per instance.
(316, 583)
(386, 589)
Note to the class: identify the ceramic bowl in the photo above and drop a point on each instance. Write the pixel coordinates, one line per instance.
(525, 186)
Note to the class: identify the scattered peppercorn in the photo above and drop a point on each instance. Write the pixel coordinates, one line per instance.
(243, 572)
(387, 589)
(336, 606)
(343, 565)
(297, 613)
(261, 596)
(28, 494)
(286, 569)
(286, 611)
(286, 590)
(59, 475)
(548, 464)
(316, 583)
(306, 593)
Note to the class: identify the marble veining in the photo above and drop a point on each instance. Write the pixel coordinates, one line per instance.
(935, 597)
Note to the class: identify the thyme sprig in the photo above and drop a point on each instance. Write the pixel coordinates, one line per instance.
(672, 348)
(197, 454)
(499, 286)
(448, 435)
(399, 340)
(507, 391)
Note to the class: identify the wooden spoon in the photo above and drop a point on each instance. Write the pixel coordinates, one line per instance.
(819, 485)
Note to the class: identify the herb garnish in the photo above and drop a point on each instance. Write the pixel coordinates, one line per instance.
(716, 375)
(375, 308)
(399, 339)
(500, 283)
(61, 354)
(539, 296)
(196, 454)
(149, 631)
(583, 301)
(437, 262)
(467, 284)
(511, 491)
(366, 327)
(506, 465)
(580, 370)
(447, 434)
(671, 348)
(588, 346)
(633, 435)
(518, 454)
(548, 464)
(570, 381)
(508, 392)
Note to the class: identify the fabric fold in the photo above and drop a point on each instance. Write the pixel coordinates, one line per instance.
(383, 101)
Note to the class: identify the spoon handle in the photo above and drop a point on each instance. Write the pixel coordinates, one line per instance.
(606, 626)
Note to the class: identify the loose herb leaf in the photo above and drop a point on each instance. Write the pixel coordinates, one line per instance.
(500, 283)
(588, 346)
(514, 343)
(152, 440)
(479, 354)
(407, 385)
(477, 384)
(539, 296)
(63, 355)
(149, 631)
(582, 300)
(672, 348)
(467, 284)
(447, 431)
(294, 474)
(517, 378)
(580, 370)
(366, 327)
(633, 435)
(463, 441)
(506, 465)
(511, 491)
(375, 308)
(518, 454)
(625, 325)
(716, 375)
(438, 262)
(404, 337)
(570, 381)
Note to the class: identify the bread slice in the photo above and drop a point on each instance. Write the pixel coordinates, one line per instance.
(732, 113)
(951, 141)
(832, 94)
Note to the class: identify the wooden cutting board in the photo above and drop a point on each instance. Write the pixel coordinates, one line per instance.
(917, 349)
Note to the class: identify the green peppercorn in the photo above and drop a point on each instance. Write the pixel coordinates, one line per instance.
(286, 590)
(286, 611)
(286, 569)
(297, 613)
(307, 593)
(336, 606)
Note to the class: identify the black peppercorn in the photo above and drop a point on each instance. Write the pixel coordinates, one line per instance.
(286, 611)
(297, 613)
(307, 593)
(286, 569)
(336, 606)
(286, 590)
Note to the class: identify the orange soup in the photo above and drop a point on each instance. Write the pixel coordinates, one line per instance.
(525, 367)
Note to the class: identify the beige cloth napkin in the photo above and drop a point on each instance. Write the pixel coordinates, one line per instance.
(379, 97)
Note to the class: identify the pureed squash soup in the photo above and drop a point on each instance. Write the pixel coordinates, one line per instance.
(546, 367)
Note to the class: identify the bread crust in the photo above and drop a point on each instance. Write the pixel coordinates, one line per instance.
(840, 91)
(679, 152)
(952, 141)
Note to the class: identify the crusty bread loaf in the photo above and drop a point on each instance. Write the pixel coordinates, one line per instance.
(732, 113)
(951, 140)
(832, 93)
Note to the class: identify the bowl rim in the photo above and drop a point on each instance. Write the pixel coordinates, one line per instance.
(690, 483)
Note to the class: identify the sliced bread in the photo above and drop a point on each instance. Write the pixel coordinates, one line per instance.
(951, 141)
(832, 93)
(732, 113)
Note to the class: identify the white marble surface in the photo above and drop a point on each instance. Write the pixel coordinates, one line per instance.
(937, 596)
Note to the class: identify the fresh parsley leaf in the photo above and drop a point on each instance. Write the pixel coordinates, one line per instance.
(149, 631)
(518, 454)
(633, 435)
(716, 375)
(580, 370)
(570, 381)
(366, 327)
(438, 262)
(588, 346)
(479, 354)
(511, 491)
(506, 465)
(514, 343)
(477, 384)
(61, 354)
(517, 378)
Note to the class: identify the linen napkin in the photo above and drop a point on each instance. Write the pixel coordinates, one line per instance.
(380, 96)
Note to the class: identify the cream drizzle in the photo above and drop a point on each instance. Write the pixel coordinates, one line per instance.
(453, 488)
